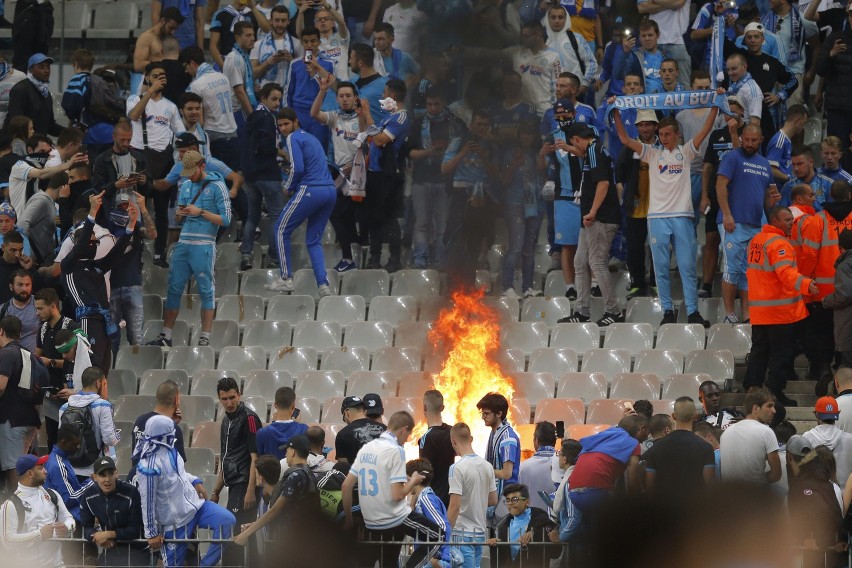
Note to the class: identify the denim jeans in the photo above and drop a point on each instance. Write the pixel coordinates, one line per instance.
(430, 221)
(125, 303)
(258, 192)
(523, 236)
(471, 553)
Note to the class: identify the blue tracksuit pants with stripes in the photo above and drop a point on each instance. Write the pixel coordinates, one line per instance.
(315, 205)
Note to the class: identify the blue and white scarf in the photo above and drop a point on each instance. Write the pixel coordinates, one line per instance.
(238, 16)
(670, 101)
(379, 64)
(277, 73)
(735, 86)
(249, 80)
(203, 69)
(43, 88)
(717, 48)
(797, 35)
(426, 128)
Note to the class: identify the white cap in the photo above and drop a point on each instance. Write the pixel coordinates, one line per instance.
(645, 115)
(754, 27)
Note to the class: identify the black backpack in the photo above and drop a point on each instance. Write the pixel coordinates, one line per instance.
(34, 377)
(81, 418)
(20, 508)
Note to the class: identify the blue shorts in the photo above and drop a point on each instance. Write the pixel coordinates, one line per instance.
(734, 249)
(192, 260)
(566, 221)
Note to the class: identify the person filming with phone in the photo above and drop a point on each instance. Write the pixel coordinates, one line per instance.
(834, 64)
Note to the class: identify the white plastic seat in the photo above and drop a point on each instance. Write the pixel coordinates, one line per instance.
(265, 383)
(320, 384)
(243, 359)
(201, 460)
(366, 283)
(718, 363)
(223, 333)
(663, 407)
(577, 336)
(520, 410)
(684, 337)
(121, 382)
(415, 383)
(383, 383)
(431, 307)
(569, 410)
(293, 359)
(585, 386)
(114, 21)
(526, 336)
(293, 308)
(661, 362)
(411, 404)
(204, 381)
(545, 309)
(735, 338)
(227, 283)
(412, 334)
(342, 309)
(644, 310)
(152, 306)
(153, 378)
(397, 359)
(371, 335)
(305, 282)
(155, 281)
(253, 281)
(631, 336)
(229, 257)
(636, 386)
(317, 334)
(610, 362)
(606, 411)
(196, 409)
(241, 309)
(331, 409)
(393, 309)
(534, 386)
(129, 407)
(191, 359)
(207, 434)
(190, 309)
(554, 284)
(712, 309)
(510, 360)
(347, 360)
(417, 283)
(554, 360)
(271, 335)
(257, 403)
(152, 328)
(139, 358)
(508, 308)
(683, 384)
(309, 408)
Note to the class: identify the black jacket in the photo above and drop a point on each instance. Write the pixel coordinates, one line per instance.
(540, 524)
(260, 152)
(120, 511)
(26, 100)
(239, 431)
(84, 278)
(836, 70)
(105, 172)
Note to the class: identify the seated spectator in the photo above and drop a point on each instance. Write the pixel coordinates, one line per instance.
(524, 524)
(272, 439)
(44, 517)
(710, 397)
(111, 517)
(22, 306)
(60, 472)
(33, 99)
(39, 220)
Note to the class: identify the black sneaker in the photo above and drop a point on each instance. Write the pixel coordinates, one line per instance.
(576, 317)
(571, 293)
(393, 266)
(596, 291)
(668, 317)
(160, 341)
(821, 386)
(272, 261)
(246, 262)
(374, 265)
(696, 317)
(609, 319)
(161, 261)
(783, 399)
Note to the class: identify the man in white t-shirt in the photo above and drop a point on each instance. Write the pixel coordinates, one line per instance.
(155, 120)
(334, 38)
(670, 210)
(673, 18)
(750, 444)
(409, 26)
(379, 471)
(239, 71)
(215, 92)
(473, 488)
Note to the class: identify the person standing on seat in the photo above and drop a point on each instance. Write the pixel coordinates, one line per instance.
(312, 198)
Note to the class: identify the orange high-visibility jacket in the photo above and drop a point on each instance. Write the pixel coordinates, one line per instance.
(775, 287)
(819, 250)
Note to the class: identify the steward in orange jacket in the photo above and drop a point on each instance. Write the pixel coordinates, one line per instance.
(775, 293)
(816, 257)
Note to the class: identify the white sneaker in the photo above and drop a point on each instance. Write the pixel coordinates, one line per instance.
(324, 290)
(530, 293)
(281, 285)
(510, 293)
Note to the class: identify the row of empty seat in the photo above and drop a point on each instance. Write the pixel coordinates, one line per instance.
(95, 20)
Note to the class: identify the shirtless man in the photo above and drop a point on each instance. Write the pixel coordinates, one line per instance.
(149, 46)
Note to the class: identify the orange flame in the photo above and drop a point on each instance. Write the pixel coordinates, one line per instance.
(468, 333)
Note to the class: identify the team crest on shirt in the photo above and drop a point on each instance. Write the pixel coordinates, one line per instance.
(766, 66)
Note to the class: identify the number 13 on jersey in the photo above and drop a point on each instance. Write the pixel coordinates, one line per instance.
(368, 481)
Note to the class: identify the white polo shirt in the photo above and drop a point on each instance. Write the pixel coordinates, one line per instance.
(380, 464)
(473, 478)
(670, 184)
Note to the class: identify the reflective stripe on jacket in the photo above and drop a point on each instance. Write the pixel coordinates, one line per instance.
(819, 250)
(775, 286)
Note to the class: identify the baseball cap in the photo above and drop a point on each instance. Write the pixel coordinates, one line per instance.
(826, 408)
(103, 464)
(351, 402)
(373, 404)
(122, 198)
(191, 161)
(299, 443)
(563, 105)
(37, 58)
(754, 27)
(735, 99)
(579, 129)
(646, 115)
(28, 461)
(798, 445)
(187, 139)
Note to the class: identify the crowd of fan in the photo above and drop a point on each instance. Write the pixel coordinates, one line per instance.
(436, 119)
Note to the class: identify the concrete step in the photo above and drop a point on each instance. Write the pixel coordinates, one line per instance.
(800, 387)
(806, 401)
(803, 426)
(800, 413)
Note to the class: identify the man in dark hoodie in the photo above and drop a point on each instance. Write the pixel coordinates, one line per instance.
(840, 300)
